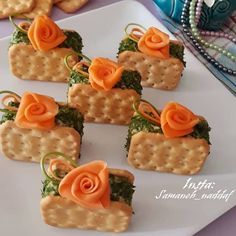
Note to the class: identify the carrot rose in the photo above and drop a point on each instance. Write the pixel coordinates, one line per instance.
(44, 34)
(104, 73)
(154, 43)
(36, 111)
(87, 185)
(177, 120)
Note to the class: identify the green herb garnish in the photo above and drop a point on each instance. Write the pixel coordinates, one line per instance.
(19, 37)
(8, 114)
(50, 188)
(77, 78)
(138, 124)
(201, 130)
(177, 51)
(121, 189)
(70, 117)
(73, 41)
(130, 80)
(128, 44)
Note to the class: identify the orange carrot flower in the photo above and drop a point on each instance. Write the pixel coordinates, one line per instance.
(154, 43)
(87, 185)
(104, 73)
(177, 120)
(44, 34)
(36, 111)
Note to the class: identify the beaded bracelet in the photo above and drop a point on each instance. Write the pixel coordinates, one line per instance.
(188, 15)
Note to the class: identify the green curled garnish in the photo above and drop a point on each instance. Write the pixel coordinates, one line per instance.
(12, 95)
(128, 34)
(71, 54)
(153, 114)
(17, 26)
(10, 92)
(52, 155)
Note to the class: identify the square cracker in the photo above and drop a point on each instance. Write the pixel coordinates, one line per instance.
(42, 7)
(153, 151)
(70, 6)
(30, 64)
(12, 7)
(64, 213)
(32, 144)
(155, 72)
(113, 106)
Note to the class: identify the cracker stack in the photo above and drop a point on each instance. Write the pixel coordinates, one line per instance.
(173, 140)
(104, 91)
(159, 60)
(35, 57)
(65, 213)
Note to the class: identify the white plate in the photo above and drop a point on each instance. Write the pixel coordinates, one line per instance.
(102, 30)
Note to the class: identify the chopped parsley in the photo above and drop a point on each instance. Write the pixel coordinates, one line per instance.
(130, 80)
(9, 115)
(128, 44)
(50, 188)
(201, 130)
(77, 78)
(121, 189)
(138, 124)
(73, 41)
(19, 37)
(70, 117)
